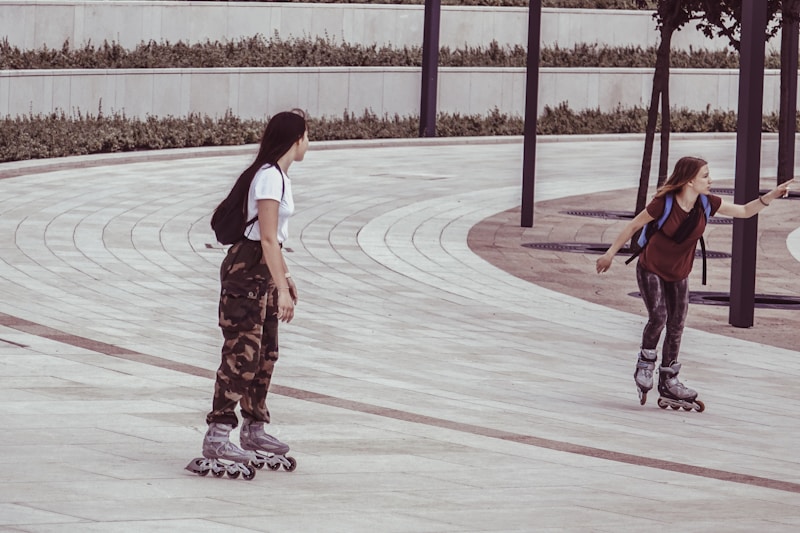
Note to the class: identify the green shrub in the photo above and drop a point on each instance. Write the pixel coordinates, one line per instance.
(59, 135)
(258, 51)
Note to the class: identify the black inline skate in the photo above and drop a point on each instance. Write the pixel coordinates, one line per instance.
(675, 394)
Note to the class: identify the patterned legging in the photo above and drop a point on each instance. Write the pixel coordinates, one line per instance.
(667, 303)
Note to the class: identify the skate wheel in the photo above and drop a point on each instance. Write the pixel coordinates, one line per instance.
(274, 466)
(687, 408)
(675, 407)
(234, 474)
(642, 398)
(250, 474)
(292, 464)
(662, 404)
(257, 465)
(202, 473)
(218, 474)
(700, 406)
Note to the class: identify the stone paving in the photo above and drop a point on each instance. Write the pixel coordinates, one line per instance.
(423, 386)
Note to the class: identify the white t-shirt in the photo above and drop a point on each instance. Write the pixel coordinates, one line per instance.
(268, 184)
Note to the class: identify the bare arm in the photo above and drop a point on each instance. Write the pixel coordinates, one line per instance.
(638, 222)
(753, 207)
(268, 225)
(290, 281)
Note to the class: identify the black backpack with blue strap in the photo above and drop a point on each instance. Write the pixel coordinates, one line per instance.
(683, 231)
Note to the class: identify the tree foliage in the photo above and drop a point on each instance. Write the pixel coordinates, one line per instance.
(723, 18)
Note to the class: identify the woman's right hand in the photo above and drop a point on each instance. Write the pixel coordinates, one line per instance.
(604, 263)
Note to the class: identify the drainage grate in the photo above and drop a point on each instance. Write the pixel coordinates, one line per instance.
(419, 176)
(593, 248)
(793, 195)
(628, 215)
(615, 215)
(762, 301)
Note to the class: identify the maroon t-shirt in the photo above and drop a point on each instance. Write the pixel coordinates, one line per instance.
(670, 260)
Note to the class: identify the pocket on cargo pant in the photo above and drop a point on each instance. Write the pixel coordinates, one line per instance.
(242, 307)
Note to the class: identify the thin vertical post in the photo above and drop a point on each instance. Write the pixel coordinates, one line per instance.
(787, 123)
(748, 160)
(531, 112)
(430, 68)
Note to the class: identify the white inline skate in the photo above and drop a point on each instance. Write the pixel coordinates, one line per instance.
(268, 450)
(221, 456)
(675, 394)
(643, 375)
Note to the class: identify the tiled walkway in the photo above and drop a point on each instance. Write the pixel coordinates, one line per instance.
(422, 388)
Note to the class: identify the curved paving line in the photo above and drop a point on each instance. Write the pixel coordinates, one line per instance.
(46, 332)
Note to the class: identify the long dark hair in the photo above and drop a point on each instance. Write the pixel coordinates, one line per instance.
(685, 170)
(282, 131)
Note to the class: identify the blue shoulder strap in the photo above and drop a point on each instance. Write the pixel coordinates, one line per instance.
(706, 206)
(667, 208)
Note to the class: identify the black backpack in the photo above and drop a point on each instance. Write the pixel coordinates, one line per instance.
(229, 220)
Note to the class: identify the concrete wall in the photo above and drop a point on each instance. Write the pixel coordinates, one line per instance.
(254, 93)
(32, 24)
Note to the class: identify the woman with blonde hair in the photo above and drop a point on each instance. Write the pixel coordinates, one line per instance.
(664, 265)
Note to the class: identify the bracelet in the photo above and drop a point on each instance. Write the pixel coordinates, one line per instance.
(761, 199)
(288, 275)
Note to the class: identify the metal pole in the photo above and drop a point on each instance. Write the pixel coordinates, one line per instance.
(430, 68)
(748, 160)
(531, 112)
(787, 123)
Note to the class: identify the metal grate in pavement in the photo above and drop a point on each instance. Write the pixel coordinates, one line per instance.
(594, 248)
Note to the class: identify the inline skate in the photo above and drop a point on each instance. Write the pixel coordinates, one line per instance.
(675, 394)
(268, 450)
(221, 456)
(643, 375)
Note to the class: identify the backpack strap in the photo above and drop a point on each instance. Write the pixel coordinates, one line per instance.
(706, 206)
(669, 199)
(643, 238)
(707, 213)
(246, 198)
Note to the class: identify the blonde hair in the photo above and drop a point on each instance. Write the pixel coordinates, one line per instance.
(685, 170)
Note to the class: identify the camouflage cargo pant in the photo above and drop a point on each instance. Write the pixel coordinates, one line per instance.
(248, 316)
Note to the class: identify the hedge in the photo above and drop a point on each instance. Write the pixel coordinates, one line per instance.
(59, 135)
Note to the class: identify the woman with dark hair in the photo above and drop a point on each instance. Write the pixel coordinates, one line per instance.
(257, 291)
(663, 269)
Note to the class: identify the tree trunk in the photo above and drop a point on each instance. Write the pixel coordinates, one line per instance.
(663, 160)
(660, 74)
(787, 117)
(660, 84)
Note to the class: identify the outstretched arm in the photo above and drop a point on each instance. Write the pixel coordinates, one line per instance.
(638, 222)
(754, 207)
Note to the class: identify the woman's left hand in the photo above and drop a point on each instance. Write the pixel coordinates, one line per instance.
(285, 306)
(781, 191)
(292, 289)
